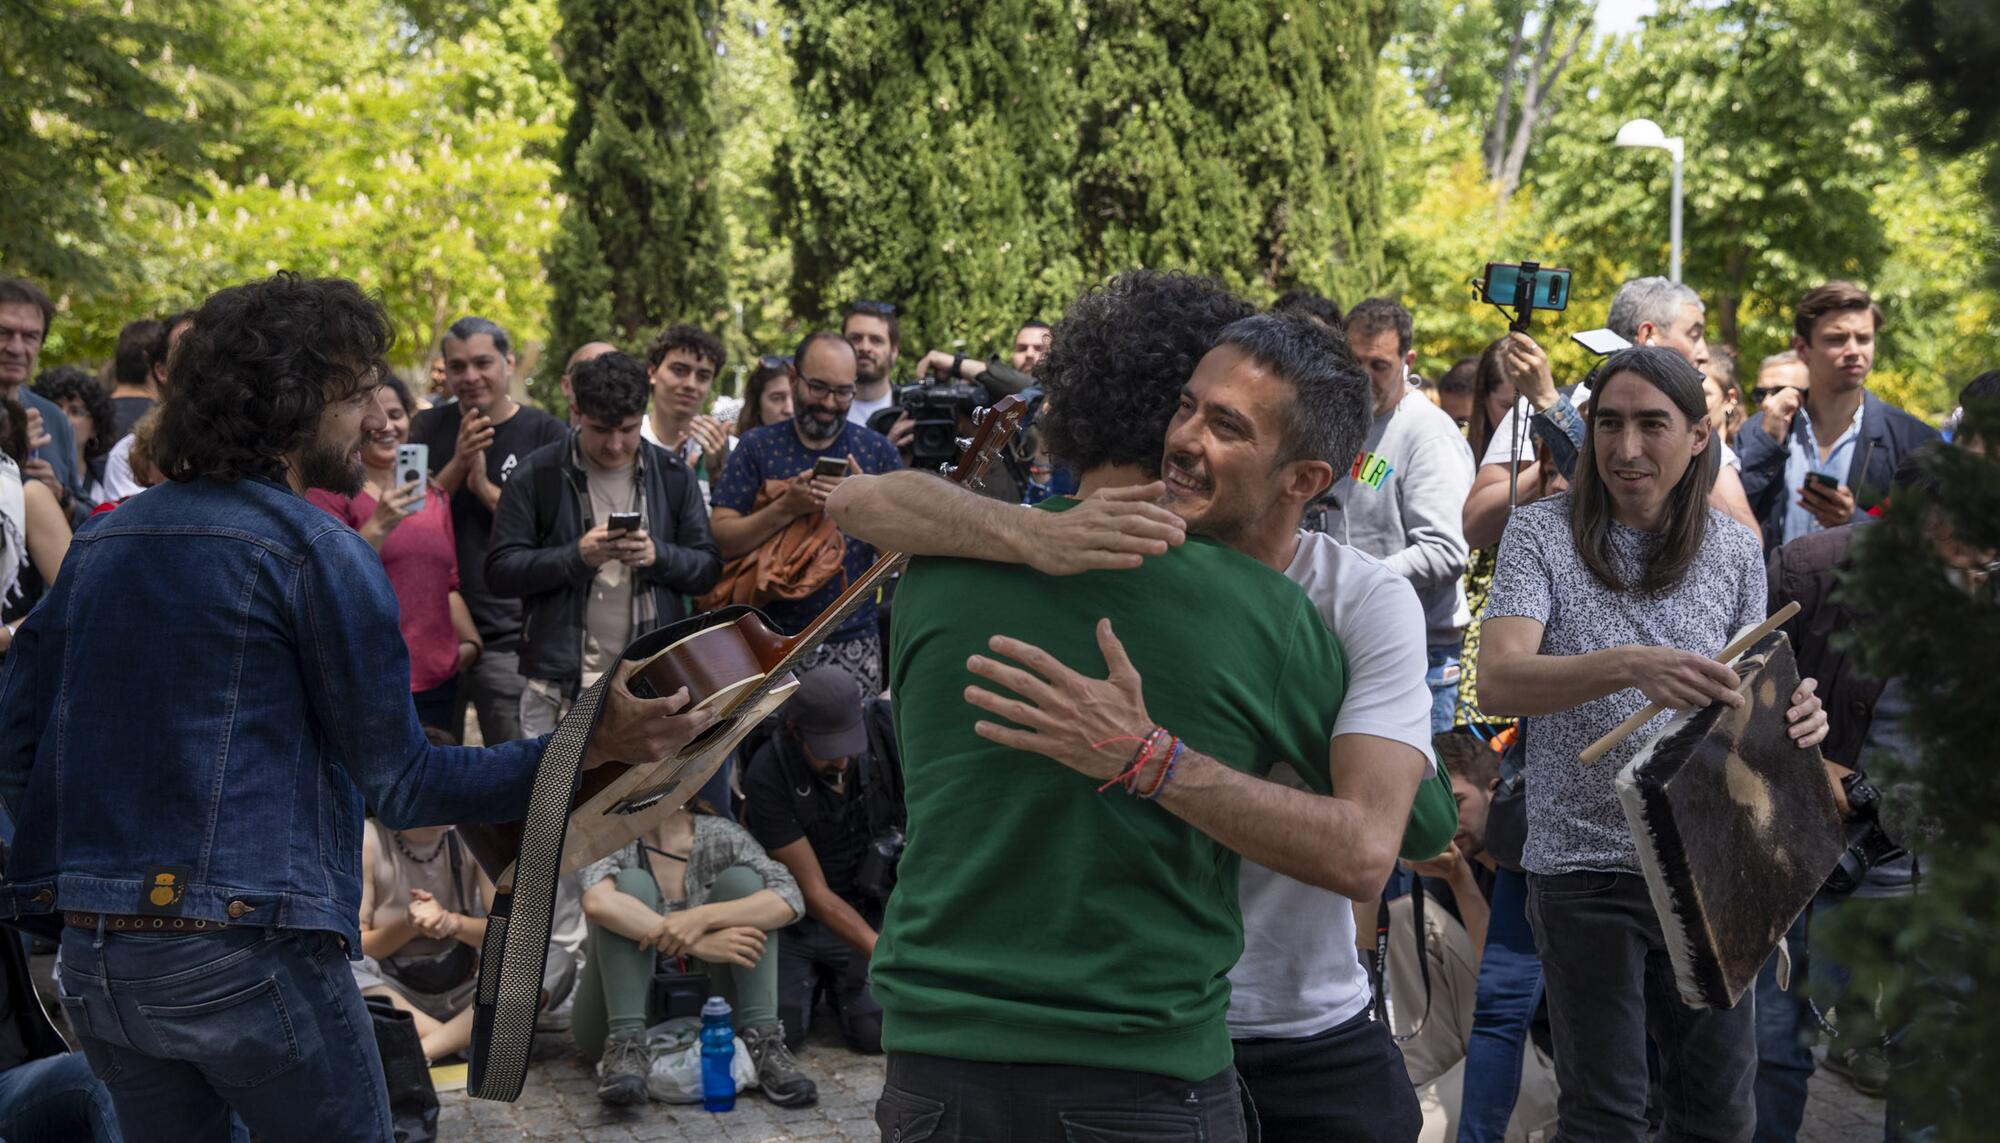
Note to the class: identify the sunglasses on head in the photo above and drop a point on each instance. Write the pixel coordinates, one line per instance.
(1763, 391)
(877, 309)
(775, 361)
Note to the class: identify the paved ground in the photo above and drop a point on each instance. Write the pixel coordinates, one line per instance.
(560, 1102)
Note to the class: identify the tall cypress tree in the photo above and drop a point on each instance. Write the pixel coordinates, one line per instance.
(1234, 137)
(641, 242)
(932, 163)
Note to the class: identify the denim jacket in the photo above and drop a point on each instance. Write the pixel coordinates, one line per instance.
(191, 719)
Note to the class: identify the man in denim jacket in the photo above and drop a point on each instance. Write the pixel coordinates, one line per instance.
(190, 723)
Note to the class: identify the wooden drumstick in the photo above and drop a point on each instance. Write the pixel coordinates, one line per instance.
(1743, 643)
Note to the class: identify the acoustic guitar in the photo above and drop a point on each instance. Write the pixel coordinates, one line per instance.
(732, 661)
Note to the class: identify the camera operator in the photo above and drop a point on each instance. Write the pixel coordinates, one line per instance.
(827, 802)
(998, 378)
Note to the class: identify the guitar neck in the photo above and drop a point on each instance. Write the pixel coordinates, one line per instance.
(829, 621)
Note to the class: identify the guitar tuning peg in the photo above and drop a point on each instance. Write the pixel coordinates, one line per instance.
(947, 470)
(963, 443)
(979, 417)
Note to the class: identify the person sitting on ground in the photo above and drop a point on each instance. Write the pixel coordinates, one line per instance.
(423, 916)
(700, 887)
(92, 419)
(420, 554)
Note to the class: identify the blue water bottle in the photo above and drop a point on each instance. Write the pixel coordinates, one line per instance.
(718, 1052)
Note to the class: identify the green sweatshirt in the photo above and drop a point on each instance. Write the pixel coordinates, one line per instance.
(1036, 920)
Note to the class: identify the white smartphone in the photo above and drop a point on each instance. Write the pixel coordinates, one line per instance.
(1602, 342)
(413, 463)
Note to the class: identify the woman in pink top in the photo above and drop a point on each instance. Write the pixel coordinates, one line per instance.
(418, 552)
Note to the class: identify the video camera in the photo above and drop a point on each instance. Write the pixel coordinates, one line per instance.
(936, 409)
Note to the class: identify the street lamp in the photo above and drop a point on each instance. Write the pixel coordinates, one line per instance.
(1646, 133)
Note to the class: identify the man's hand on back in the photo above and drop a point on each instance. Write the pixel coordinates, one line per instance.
(1114, 529)
(635, 730)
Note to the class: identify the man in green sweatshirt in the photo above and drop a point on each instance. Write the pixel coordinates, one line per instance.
(1055, 958)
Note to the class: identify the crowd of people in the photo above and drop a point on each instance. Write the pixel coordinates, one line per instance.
(1314, 628)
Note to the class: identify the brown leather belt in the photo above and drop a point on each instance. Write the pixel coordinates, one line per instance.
(127, 923)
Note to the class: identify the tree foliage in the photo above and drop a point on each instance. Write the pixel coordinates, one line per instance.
(640, 241)
(932, 162)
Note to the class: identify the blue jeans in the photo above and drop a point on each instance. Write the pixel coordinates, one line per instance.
(1510, 987)
(1785, 1030)
(55, 1099)
(1442, 678)
(200, 1036)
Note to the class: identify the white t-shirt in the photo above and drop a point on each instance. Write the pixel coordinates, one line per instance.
(1299, 974)
(862, 409)
(1500, 450)
(118, 480)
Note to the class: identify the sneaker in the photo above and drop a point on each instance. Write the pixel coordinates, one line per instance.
(1867, 1069)
(622, 1073)
(777, 1069)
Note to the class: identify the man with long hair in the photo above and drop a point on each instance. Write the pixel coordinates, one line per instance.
(1615, 593)
(193, 834)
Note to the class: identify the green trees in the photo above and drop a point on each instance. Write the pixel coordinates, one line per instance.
(931, 163)
(641, 235)
(983, 163)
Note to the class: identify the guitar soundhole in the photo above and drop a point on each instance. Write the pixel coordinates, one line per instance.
(707, 737)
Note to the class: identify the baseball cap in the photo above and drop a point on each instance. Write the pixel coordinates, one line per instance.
(827, 710)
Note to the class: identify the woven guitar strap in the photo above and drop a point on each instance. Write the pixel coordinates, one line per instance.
(516, 950)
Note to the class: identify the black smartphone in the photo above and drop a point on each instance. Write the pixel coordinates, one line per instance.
(830, 466)
(1825, 480)
(622, 521)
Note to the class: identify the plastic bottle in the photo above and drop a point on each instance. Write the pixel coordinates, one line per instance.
(718, 1052)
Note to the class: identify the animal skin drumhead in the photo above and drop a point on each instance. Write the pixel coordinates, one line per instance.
(1736, 828)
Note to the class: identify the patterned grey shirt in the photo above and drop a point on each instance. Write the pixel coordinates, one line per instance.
(718, 844)
(1574, 820)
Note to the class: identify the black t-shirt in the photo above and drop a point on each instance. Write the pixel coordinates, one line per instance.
(128, 410)
(499, 620)
(783, 801)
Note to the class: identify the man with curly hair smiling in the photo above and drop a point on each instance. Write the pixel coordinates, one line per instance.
(194, 834)
(1040, 917)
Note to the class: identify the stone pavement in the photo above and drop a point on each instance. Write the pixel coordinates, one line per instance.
(560, 1102)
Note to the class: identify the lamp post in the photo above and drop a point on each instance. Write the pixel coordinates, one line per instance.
(1646, 133)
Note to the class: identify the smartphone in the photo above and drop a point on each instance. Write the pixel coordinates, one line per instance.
(622, 521)
(1825, 480)
(1502, 279)
(413, 464)
(830, 466)
(1602, 342)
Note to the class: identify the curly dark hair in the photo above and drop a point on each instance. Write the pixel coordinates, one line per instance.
(13, 430)
(66, 381)
(1118, 359)
(611, 387)
(691, 338)
(251, 377)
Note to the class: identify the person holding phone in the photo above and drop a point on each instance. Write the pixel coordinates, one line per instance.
(408, 523)
(601, 535)
(781, 474)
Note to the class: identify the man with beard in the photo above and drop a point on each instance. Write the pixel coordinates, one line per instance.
(1112, 984)
(871, 328)
(193, 834)
(476, 442)
(770, 482)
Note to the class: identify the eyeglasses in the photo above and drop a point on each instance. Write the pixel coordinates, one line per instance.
(878, 309)
(773, 361)
(822, 390)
